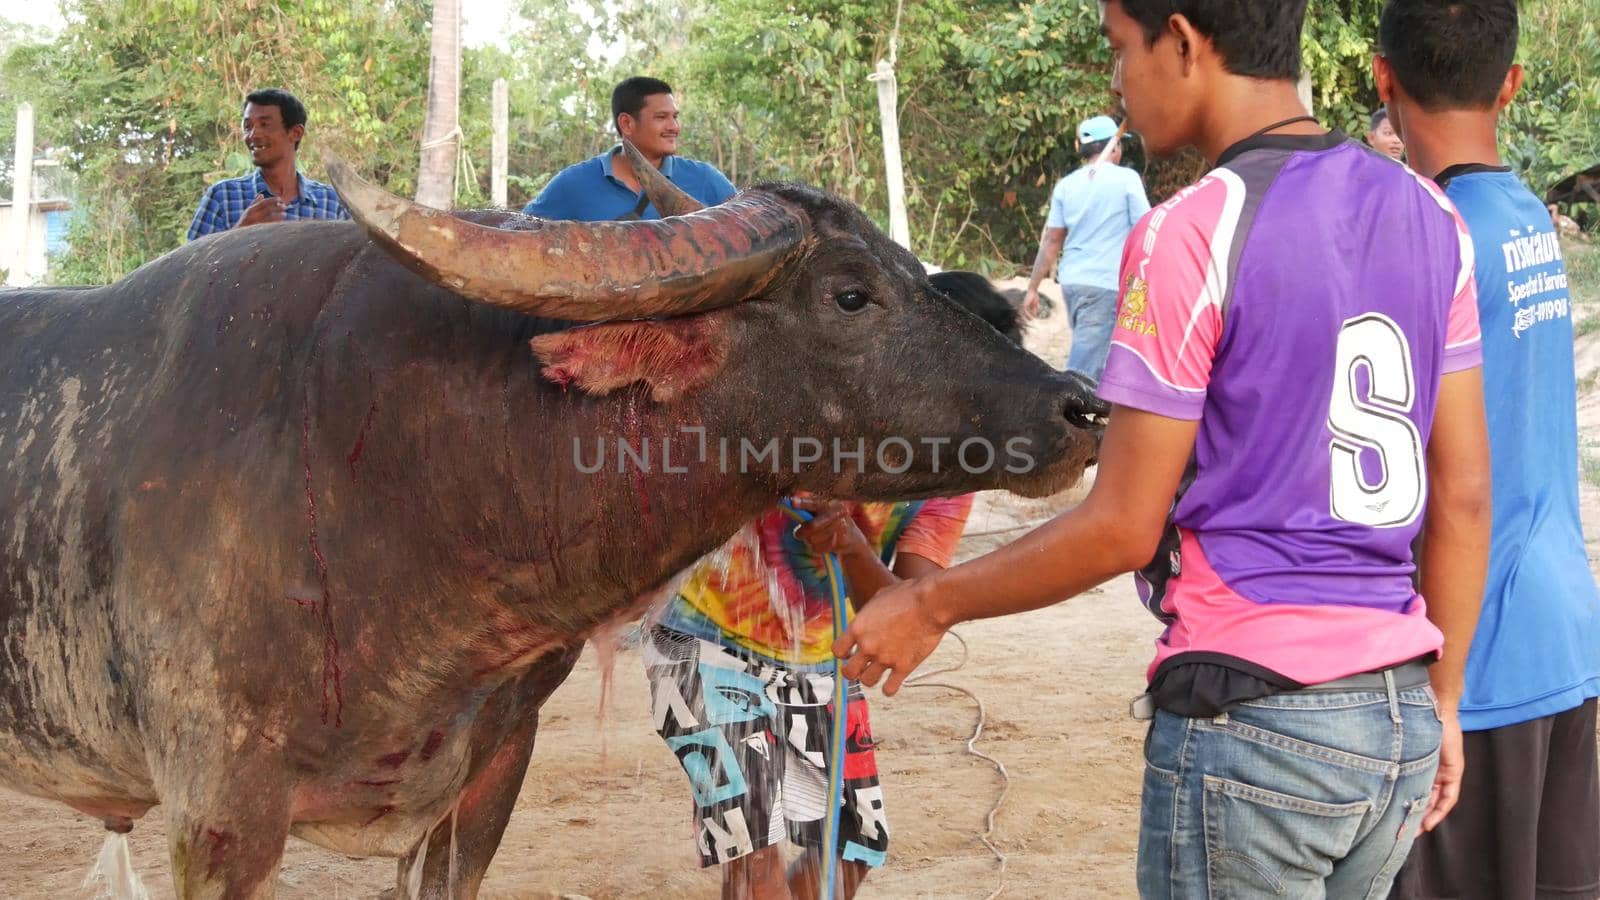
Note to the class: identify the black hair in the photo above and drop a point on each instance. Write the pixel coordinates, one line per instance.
(289, 106)
(1450, 53)
(976, 295)
(1093, 148)
(1255, 38)
(629, 96)
(1378, 117)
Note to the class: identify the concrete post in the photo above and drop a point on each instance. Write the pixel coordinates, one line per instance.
(497, 166)
(16, 245)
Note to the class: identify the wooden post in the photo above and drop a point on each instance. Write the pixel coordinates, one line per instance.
(497, 165)
(16, 261)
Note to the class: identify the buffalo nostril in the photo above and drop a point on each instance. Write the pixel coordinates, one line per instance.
(1079, 405)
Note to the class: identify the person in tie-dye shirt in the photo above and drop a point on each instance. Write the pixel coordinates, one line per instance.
(741, 680)
(740, 666)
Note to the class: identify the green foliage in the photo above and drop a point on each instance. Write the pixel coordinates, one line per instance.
(144, 95)
(1552, 129)
(989, 95)
(559, 97)
(1336, 47)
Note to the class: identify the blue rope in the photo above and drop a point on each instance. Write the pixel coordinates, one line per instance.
(841, 700)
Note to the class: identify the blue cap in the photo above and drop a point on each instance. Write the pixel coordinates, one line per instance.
(1099, 128)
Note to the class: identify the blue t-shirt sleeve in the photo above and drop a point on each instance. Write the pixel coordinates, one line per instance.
(718, 189)
(554, 202)
(1138, 200)
(1060, 214)
(209, 216)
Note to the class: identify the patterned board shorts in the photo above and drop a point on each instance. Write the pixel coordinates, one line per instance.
(753, 738)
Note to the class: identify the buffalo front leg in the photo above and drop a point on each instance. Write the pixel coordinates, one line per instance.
(228, 849)
(456, 854)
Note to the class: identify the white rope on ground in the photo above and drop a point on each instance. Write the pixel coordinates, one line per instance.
(922, 681)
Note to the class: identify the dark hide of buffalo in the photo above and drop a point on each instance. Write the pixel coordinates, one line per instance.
(297, 541)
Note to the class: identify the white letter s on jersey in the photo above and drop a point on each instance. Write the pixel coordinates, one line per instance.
(1378, 423)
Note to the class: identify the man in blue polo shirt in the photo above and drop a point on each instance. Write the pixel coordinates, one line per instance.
(273, 125)
(604, 188)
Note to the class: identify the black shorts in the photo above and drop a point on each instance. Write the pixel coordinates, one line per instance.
(1527, 826)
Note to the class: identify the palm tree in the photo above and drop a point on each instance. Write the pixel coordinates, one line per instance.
(441, 137)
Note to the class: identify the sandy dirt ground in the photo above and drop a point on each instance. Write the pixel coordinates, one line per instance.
(604, 810)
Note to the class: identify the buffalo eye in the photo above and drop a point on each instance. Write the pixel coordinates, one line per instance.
(852, 301)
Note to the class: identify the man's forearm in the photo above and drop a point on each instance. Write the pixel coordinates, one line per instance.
(865, 575)
(1045, 260)
(1060, 559)
(1115, 529)
(1455, 527)
(1041, 267)
(1455, 556)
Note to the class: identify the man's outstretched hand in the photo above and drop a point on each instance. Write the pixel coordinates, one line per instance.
(891, 637)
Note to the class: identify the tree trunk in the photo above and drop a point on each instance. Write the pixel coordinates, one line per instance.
(441, 138)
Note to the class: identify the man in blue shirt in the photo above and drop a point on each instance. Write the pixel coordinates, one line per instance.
(274, 124)
(1091, 212)
(1528, 822)
(605, 188)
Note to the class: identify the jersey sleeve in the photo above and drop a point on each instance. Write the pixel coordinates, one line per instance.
(935, 530)
(1169, 315)
(1463, 341)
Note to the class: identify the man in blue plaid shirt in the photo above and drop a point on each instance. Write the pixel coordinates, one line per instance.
(274, 122)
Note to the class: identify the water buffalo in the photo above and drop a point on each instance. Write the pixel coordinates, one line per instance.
(975, 293)
(296, 539)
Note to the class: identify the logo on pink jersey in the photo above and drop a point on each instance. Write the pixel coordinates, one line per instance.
(1134, 304)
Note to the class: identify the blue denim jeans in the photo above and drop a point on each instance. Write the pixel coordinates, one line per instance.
(1092, 312)
(1303, 794)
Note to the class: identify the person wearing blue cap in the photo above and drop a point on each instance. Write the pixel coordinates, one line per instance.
(1092, 210)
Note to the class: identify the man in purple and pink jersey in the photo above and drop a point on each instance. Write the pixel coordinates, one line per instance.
(1295, 399)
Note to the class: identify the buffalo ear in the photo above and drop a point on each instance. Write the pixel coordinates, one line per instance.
(672, 357)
